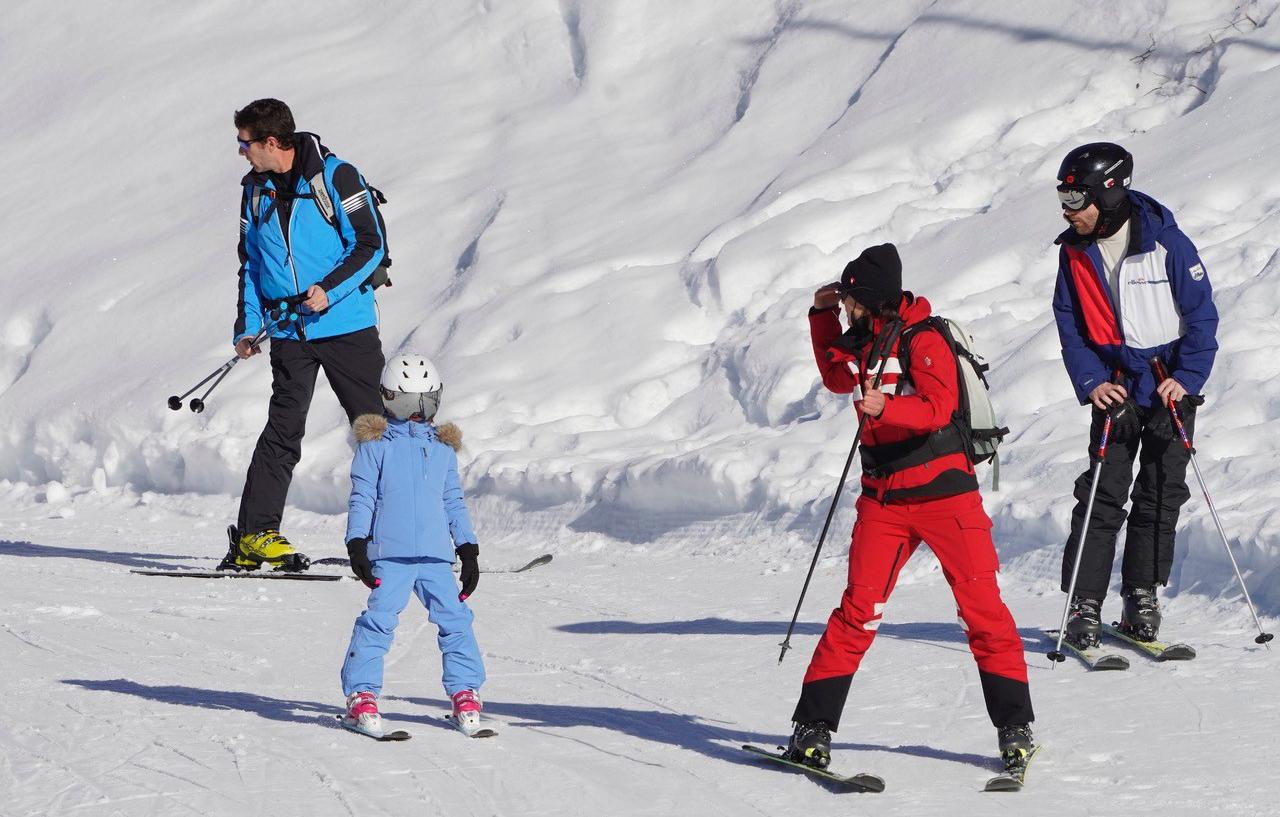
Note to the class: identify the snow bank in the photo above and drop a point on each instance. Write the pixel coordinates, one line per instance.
(607, 220)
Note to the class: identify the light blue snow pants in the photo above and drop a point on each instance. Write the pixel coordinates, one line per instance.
(433, 582)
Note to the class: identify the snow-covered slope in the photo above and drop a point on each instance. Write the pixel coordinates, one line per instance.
(621, 685)
(607, 220)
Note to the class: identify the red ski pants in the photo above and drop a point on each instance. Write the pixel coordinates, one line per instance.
(958, 531)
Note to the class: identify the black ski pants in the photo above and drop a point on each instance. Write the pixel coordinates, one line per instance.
(352, 364)
(1159, 493)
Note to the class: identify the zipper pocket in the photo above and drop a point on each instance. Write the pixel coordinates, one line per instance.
(892, 568)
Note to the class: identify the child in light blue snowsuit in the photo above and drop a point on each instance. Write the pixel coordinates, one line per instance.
(406, 521)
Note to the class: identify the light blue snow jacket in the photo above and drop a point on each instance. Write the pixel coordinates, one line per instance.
(405, 492)
(279, 260)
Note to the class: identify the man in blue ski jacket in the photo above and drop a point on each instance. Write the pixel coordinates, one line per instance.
(312, 248)
(1131, 286)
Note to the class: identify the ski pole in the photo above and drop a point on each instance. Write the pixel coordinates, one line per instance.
(1157, 368)
(197, 403)
(277, 317)
(1055, 655)
(881, 347)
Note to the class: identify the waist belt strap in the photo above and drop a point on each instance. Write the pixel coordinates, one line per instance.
(948, 483)
(879, 461)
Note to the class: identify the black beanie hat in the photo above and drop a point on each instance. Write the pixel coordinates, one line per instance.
(874, 278)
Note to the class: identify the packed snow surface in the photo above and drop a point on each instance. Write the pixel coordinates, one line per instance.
(607, 221)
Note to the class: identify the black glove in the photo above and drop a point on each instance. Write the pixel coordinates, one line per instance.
(358, 554)
(1126, 423)
(469, 555)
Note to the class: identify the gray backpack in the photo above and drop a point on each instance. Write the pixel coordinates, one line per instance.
(975, 417)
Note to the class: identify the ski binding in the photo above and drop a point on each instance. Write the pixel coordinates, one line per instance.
(382, 737)
(471, 732)
(1014, 774)
(1095, 657)
(1156, 649)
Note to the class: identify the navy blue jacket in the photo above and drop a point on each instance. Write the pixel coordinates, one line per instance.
(282, 257)
(1164, 308)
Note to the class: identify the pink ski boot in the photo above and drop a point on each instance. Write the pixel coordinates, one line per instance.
(466, 711)
(362, 714)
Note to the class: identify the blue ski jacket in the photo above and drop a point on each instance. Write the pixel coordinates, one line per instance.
(283, 256)
(1164, 308)
(405, 492)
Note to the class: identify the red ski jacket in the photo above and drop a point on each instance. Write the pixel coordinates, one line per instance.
(921, 404)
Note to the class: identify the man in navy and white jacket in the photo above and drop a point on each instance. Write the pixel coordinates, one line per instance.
(1131, 286)
(310, 237)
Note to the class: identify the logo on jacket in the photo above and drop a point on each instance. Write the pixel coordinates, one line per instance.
(1197, 272)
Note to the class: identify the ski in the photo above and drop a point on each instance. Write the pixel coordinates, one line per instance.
(243, 574)
(1095, 657)
(307, 576)
(1156, 649)
(861, 782)
(477, 732)
(538, 562)
(381, 737)
(1014, 775)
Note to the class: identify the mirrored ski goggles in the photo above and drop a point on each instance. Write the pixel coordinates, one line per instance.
(1073, 198)
(412, 405)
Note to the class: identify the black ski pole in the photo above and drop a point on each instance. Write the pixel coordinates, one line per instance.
(1157, 368)
(276, 316)
(882, 347)
(1055, 655)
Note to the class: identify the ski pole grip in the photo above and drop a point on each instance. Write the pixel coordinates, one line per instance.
(1162, 374)
(1158, 369)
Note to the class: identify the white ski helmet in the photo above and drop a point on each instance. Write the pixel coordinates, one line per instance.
(411, 387)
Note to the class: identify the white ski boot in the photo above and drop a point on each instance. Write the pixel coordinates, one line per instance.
(362, 714)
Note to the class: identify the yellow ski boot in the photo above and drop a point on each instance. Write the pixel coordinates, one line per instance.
(250, 550)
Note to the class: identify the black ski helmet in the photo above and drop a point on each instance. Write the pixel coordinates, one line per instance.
(1099, 172)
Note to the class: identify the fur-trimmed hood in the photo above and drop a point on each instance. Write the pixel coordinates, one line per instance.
(370, 427)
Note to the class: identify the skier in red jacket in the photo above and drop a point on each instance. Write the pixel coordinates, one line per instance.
(917, 485)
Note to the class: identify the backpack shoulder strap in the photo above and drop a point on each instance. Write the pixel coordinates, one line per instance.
(908, 334)
(256, 192)
(320, 191)
(939, 325)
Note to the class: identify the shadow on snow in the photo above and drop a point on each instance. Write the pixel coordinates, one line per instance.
(657, 726)
(126, 559)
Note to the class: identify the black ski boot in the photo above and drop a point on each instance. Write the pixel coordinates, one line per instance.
(1016, 751)
(1084, 626)
(1015, 742)
(1141, 618)
(810, 744)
